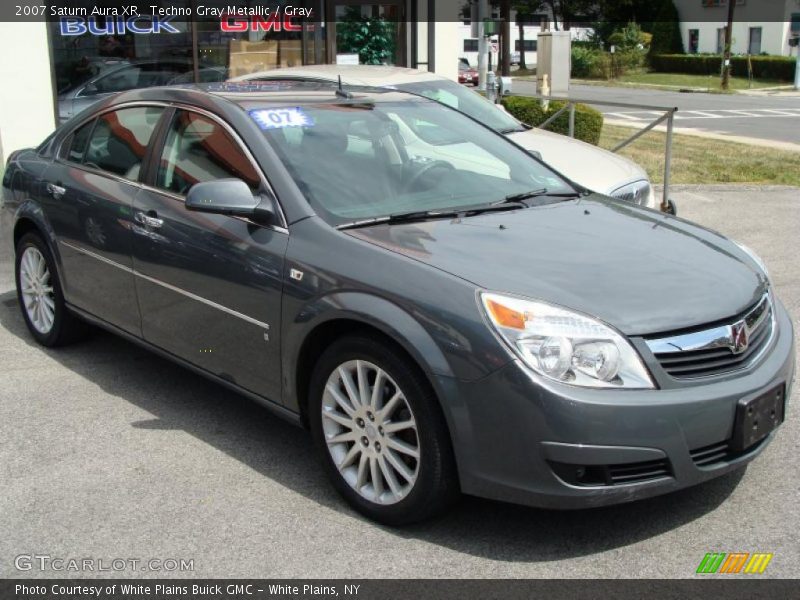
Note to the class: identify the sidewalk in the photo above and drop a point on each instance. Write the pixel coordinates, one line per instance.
(714, 135)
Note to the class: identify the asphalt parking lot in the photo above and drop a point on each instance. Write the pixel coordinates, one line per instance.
(107, 451)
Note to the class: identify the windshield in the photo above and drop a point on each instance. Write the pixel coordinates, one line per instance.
(471, 103)
(355, 161)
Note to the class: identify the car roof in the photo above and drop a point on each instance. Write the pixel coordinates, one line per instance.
(377, 75)
(219, 96)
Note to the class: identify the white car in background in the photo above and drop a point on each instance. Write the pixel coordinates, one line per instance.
(592, 167)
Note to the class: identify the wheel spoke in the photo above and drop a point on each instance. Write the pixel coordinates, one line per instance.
(399, 426)
(391, 405)
(352, 392)
(355, 450)
(341, 420)
(388, 475)
(375, 475)
(401, 446)
(348, 436)
(377, 391)
(363, 466)
(399, 466)
(363, 383)
(340, 400)
(41, 267)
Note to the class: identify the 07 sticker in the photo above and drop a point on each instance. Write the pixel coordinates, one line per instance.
(278, 118)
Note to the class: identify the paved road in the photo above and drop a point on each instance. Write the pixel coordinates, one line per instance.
(765, 117)
(107, 451)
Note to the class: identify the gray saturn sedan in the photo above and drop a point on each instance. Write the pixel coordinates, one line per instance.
(443, 311)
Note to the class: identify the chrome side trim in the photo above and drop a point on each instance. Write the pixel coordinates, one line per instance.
(717, 337)
(108, 261)
(168, 286)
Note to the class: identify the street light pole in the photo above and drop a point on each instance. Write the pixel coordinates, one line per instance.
(726, 59)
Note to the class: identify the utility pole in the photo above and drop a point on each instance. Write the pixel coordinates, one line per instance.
(505, 38)
(726, 57)
(483, 44)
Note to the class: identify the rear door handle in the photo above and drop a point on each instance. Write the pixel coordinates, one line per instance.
(148, 220)
(56, 191)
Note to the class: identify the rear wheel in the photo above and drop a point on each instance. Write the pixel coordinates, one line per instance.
(40, 295)
(381, 434)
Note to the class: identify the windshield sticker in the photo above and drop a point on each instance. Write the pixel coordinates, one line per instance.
(278, 118)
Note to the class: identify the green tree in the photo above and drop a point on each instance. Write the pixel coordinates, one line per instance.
(666, 31)
(524, 10)
(372, 38)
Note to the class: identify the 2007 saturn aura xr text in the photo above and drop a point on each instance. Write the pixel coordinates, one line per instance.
(440, 308)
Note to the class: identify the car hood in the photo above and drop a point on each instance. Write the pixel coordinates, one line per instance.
(592, 167)
(641, 271)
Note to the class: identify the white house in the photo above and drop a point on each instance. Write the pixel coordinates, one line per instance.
(760, 26)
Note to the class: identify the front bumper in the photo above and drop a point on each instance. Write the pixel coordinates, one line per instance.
(512, 431)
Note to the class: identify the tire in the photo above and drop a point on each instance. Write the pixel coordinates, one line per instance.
(62, 327)
(364, 440)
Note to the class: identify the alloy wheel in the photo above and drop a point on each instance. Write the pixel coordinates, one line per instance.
(37, 290)
(370, 432)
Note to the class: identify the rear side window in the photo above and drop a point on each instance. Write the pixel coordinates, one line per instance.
(120, 138)
(199, 149)
(75, 145)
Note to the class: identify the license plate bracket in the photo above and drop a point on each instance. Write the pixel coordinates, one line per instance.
(757, 417)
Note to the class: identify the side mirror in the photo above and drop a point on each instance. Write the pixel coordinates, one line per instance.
(230, 197)
(89, 90)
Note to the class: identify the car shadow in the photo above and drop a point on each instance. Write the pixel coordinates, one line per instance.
(183, 401)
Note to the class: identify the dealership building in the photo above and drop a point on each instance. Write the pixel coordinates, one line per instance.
(61, 65)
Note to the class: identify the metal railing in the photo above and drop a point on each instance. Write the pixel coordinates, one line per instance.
(669, 115)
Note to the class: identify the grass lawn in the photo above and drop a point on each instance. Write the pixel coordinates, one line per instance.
(682, 80)
(703, 160)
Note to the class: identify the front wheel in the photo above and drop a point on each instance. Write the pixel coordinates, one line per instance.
(380, 431)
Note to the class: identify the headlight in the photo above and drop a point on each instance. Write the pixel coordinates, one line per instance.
(756, 258)
(566, 346)
(638, 192)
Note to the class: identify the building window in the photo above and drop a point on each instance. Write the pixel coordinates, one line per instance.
(694, 41)
(721, 40)
(795, 26)
(754, 44)
(530, 45)
(471, 45)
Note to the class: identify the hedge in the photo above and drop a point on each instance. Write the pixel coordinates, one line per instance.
(764, 67)
(588, 121)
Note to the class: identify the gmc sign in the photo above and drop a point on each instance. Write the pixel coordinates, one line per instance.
(275, 22)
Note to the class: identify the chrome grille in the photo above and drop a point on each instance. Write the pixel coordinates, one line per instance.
(715, 351)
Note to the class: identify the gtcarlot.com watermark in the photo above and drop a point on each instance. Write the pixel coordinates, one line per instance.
(45, 562)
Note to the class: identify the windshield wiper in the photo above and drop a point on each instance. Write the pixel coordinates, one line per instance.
(427, 215)
(507, 130)
(517, 198)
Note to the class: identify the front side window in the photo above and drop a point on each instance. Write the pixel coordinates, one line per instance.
(200, 149)
(363, 160)
(120, 138)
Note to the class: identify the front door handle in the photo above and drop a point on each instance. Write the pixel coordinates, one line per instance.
(56, 191)
(148, 220)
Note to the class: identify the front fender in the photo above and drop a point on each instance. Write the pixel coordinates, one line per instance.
(369, 309)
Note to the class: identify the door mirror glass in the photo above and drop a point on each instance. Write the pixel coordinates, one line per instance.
(229, 197)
